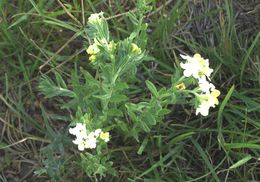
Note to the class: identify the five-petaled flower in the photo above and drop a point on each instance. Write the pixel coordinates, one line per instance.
(207, 101)
(104, 136)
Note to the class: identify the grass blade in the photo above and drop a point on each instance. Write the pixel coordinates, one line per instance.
(241, 162)
(220, 115)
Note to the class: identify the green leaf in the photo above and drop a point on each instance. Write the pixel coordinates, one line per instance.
(21, 19)
(163, 112)
(121, 86)
(181, 137)
(149, 118)
(58, 23)
(242, 145)
(49, 89)
(118, 98)
(220, 115)
(60, 82)
(144, 126)
(103, 97)
(114, 112)
(152, 88)
(241, 162)
(142, 147)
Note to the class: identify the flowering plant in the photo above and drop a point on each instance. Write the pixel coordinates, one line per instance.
(103, 100)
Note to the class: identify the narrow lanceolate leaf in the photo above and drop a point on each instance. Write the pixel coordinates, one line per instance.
(149, 118)
(241, 162)
(142, 147)
(152, 88)
(181, 137)
(49, 89)
(118, 98)
(220, 115)
(242, 145)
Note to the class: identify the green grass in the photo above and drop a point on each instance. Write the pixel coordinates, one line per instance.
(38, 38)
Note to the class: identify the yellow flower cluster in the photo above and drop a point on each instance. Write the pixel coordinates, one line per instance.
(92, 51)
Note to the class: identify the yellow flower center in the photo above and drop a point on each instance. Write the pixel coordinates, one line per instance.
(180, 86)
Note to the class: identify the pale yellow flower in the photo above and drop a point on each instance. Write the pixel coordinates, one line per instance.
(112, 46)
(180, 86)
(93, 49)
(214, 94)
(95, 18)
(104, 136)
(135, 49)
(207, 101)
(92, 58)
